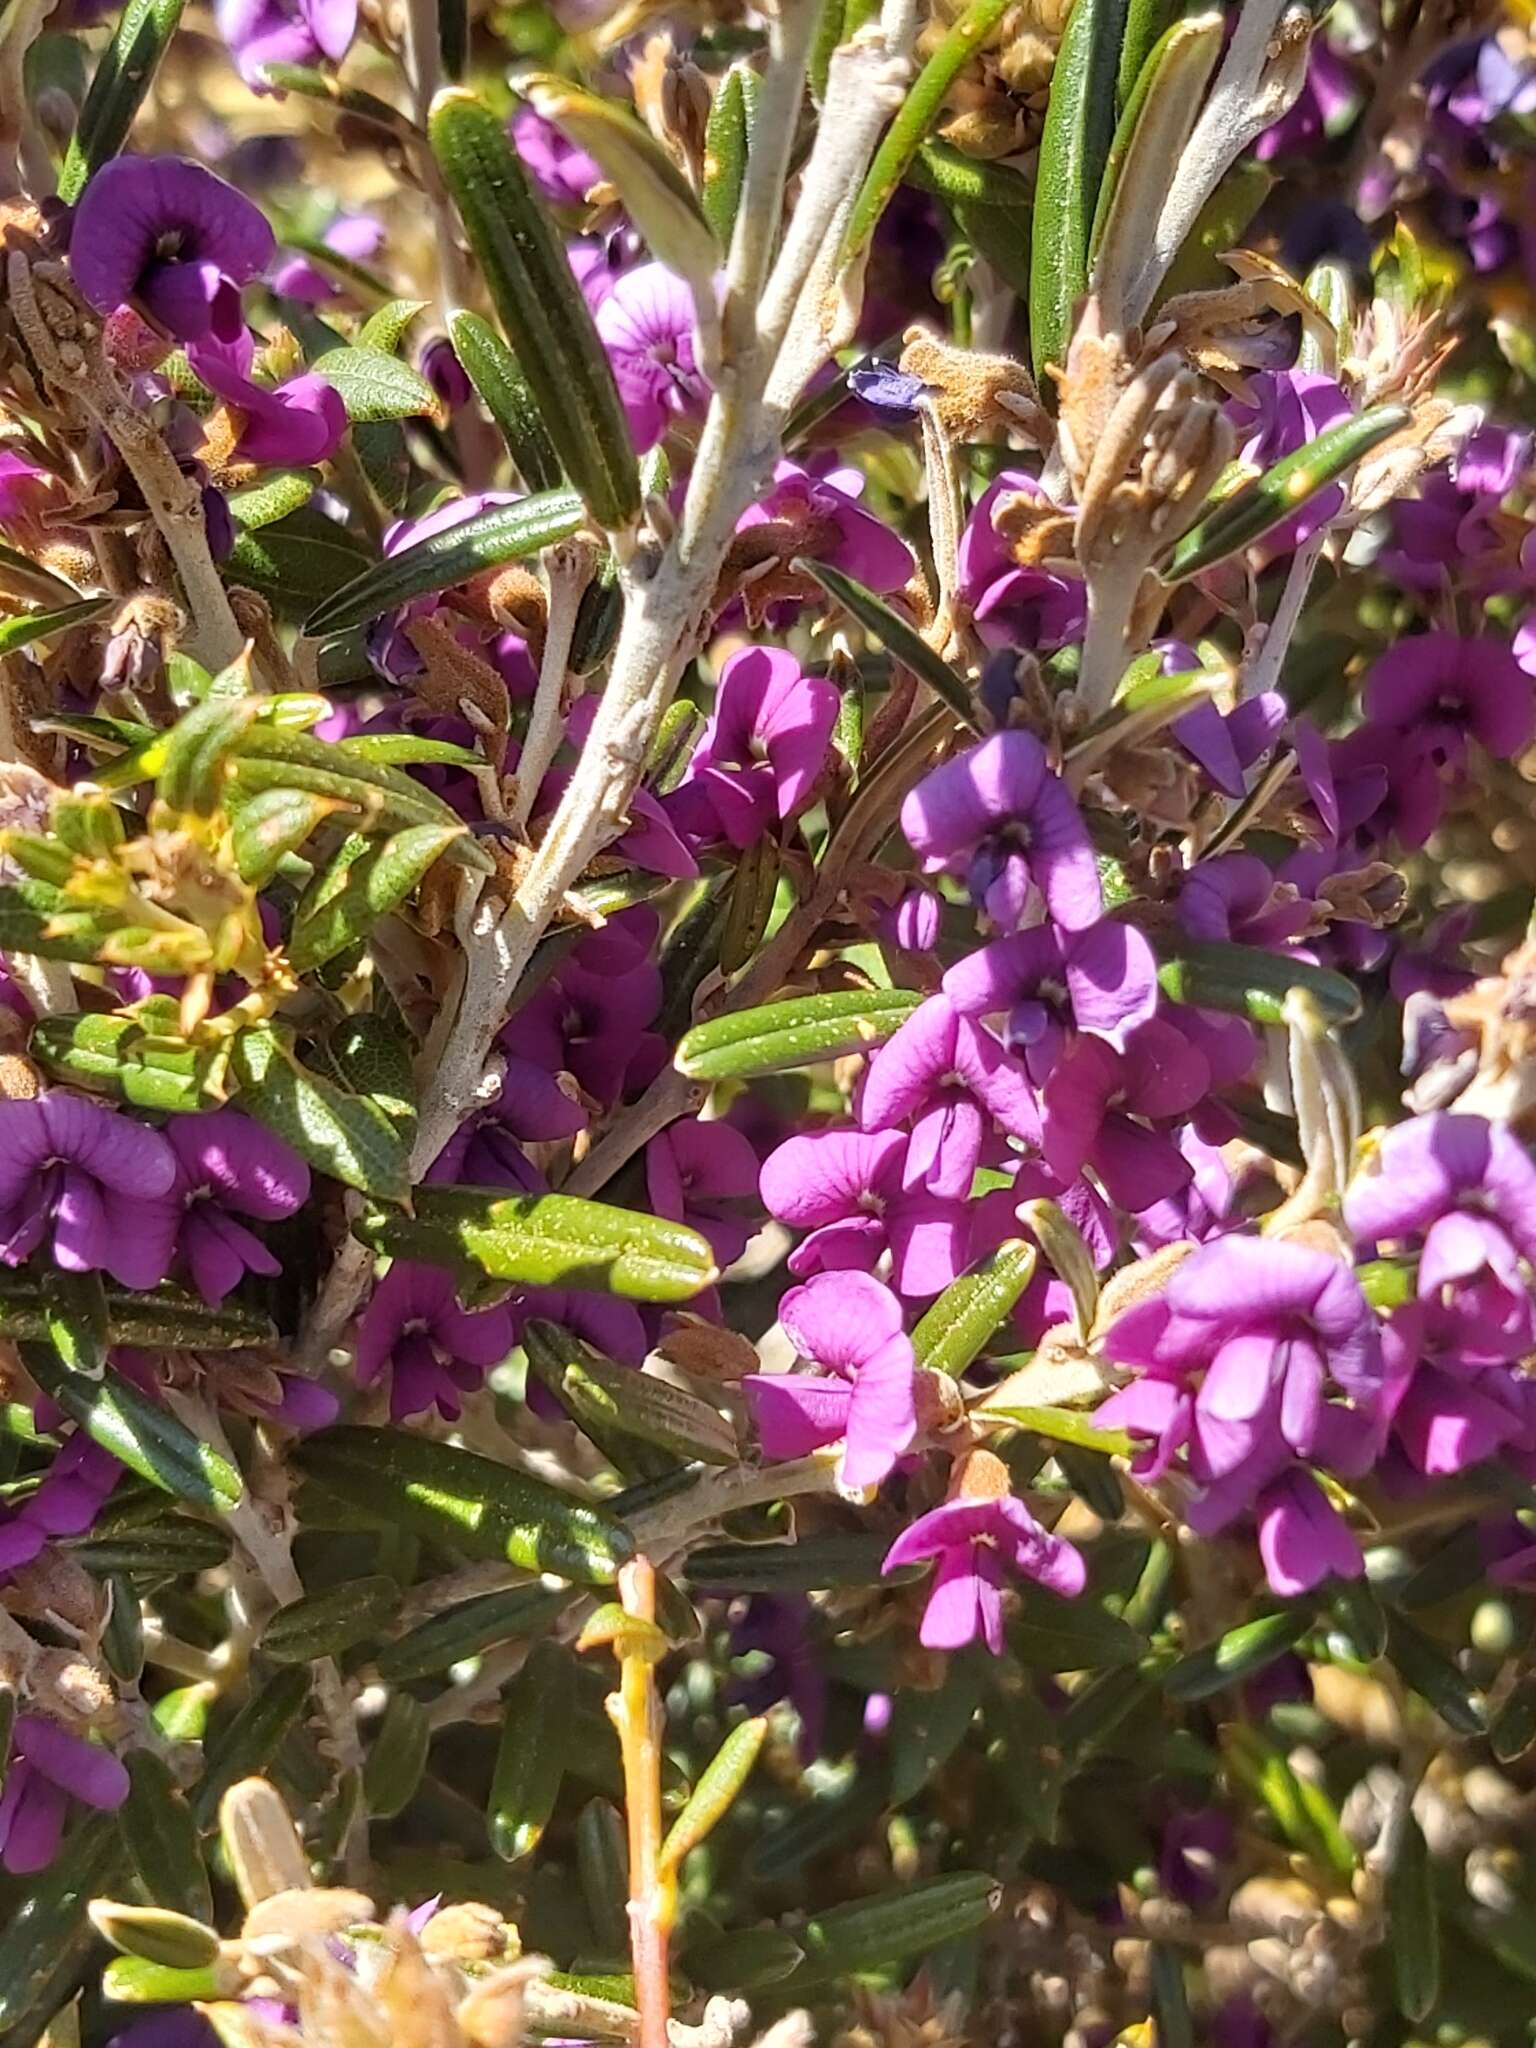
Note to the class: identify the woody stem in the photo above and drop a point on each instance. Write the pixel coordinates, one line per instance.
(636, 1712)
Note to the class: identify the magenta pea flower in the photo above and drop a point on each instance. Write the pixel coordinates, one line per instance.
(356, 236)
(49, 1767)
(1015, 604)
(849, 1190)
(589, 1021)
(1464, 1188)
(974, 1542)
(262, 32)
(1462, 1401)
(170, 235)
(704, 1175)
(950, 1078)
(1238, 898)
(1000, 817)
(850, 1324)
(1226, 744)
(26, 492)
(293, 424)
(562, 172)
(1284, 410)
(1049, 983)
(820, 517)
(912, 924)
(94, 1183)
(763, 750)
(1447, 688)
(646, 323)
(1099, 1102)
(229, 1167)
(65, 1502)
(433, 1349)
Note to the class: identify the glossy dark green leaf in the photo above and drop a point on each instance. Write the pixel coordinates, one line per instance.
(161, 1837)
(1079, 128)
(467, 1630)
(900, 639)
(472, 1503)
(147, 1438)
(347, 1136)
(531, 1754)
(869, 1934)
(548, 1241)
(377, 883)
(1052, 1634)
(1427, 1669)
(123, 76)
(163, 1318)
(493, 370)
(539, 304)
(500, 534)
(812, 1565)
(298, 564)
(326, 1624)
(376, 385)
(24, 627)
(1413, 1923)
(1237, 1655)
(248, 1741)
(46, 1941)
(800, 1032)
(1250, 981)
(397, 1757)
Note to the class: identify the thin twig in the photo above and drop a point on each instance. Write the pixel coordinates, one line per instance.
(568, 570)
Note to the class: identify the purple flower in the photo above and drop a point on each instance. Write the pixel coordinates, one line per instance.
(25, 493)
(589, 1020)
(433, 1348)
(848, 1189)
(948, 1075)
(65, 1502)
(821, 517)
(1099, 1100)
(1325, 105)
(1261, 1356)
(1015, 604)
(1001, 818)
(562, 172)
(1460, 1399)
(1050, 983)
(1236, 897)
(262, 32)
(973, 1541)
(169, 234)
(762, 751)
(912, 924)
(704, 1175)
(1465, 1188)
(776, 1628)
(99, 1182)
(1193, 1847)
(1225, 745)
(229, 1167)
(851, 1324)
(646, 323)
(358, 237)
(1453, 525)
(49, 1767)
(294, 424)
(1442, 688)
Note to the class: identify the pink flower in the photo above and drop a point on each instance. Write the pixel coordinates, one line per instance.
(973, 1541)
(851, 1324)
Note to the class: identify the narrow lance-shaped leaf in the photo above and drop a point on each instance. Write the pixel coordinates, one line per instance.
(1237, 1655)
(397, 1757)
(378, 882)
(954, 1332)
(871, 1933)
(25, 627)
(727, 137)
(1249, 981)
(1413, 1922)
(917, 115)
(155, 1934)
(801, 1032)
(1153, 129)
(469, 1502)
(1079, 126)
(1239, 521)
(636, 1403)
(548, 1241)
(493, 370)
(530, 1757)
(344, 1135)
(145, 1437)
(901, 641)
(539, 304)
(712, 1797)
(161, 1838)
(503, 533)
(124, 73)
(77, 1320)
(163, 1319)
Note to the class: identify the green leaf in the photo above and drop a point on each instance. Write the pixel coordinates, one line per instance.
(390, 800)
(173, 1546)
(1170, 1998)
(397, 1757)
(387, 328)
(155, 1934)
(407, 750)
(123, 76)
(1425, 1668)
(719, 1784)
(1154, 129)
(161, 1838)
(1079, 127)
(602, 1859)
(75, 1305)
(502, 533)
(974, 185)
(326, 1624)
(249, 1740)
(470, 1503)
(531, 1754)
(1413, 1923)
(726, 138)
(901, 641)
(494, 371)
(812, 1565)
(466, 1630)
(46, 1941)
(954, 1332)
(194, 755)
(344, 1135)
(928, 1727)
(298, 563)
(548, 1241)
(1249, 981)
(753, 890)
(279, 492)
(146, 1438)
(1245, 517)
(25, 627)
(917, 115)
(801, 1032)
(274, 823)
(370, 1057)
(1237, 1655)
(1052, 1634)
(637, 1404)
(375, 385)
(376, 883)
(539, 304)
(870, 1934)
